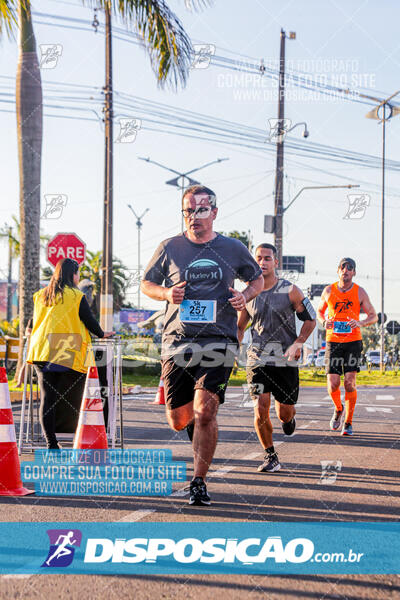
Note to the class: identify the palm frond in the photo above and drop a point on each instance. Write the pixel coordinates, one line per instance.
(8, 16)
(163, 35)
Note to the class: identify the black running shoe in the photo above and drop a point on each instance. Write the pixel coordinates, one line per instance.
(198, 493)
(190, 431)
(271, 463)
(288, 428)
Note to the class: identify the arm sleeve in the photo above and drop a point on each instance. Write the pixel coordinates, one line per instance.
(87, 318)
(156, 270)
(248, 269)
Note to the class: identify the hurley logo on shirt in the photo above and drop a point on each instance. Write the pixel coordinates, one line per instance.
(203, 272)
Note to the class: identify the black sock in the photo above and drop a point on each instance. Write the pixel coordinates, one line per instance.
(190, 431)
(270, 450)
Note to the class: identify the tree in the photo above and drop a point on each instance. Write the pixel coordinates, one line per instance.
(7, 15)
(371, 337)
(170, 52)
(91, 269)
(167, 43)
(29, 110)
(16, 236)
(243, 236)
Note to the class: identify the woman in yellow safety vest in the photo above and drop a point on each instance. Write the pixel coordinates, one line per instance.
(60, 344)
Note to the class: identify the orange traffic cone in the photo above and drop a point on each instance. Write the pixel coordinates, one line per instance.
(10, 470)
(91, 431)
(160, 397)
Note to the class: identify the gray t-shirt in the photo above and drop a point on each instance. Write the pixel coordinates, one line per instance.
(273, 327)
(209, 269)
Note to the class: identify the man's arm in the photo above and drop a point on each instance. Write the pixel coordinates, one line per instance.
(366, 306)
(306, 313)
(155, 275)
(173, 295)
(243, 319)
(252, 289)
(326, 323)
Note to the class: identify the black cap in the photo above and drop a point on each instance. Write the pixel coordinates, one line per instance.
(349, 261)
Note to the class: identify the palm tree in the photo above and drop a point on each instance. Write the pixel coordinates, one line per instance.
(170, 52)
(91, 269)
(29, 109)
(163, 35)
(16, 237)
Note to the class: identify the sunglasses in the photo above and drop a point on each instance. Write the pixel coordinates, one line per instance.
(347, 266)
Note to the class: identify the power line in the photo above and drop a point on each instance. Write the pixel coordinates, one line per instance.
(251, 66)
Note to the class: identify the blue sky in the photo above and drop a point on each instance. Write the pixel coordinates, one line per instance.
(348, 40)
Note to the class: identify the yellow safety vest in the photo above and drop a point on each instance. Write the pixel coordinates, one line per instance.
(58, 335)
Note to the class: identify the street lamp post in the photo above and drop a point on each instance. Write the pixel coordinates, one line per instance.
(139, 224)
(270, 221)
(374, 114)
(319, 187)
(182, 178)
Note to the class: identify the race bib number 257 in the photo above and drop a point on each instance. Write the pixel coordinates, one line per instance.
(198, 311)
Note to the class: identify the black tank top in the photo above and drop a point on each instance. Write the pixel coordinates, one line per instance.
(273, 327)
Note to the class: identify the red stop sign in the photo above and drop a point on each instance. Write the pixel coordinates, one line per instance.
(66, 245)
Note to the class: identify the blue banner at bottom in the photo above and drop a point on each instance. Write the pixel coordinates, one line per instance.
(205, 547)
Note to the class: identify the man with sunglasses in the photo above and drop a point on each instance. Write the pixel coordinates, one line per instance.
(344, 301)
(194, 272)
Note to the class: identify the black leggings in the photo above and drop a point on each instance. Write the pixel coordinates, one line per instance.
(59, 393)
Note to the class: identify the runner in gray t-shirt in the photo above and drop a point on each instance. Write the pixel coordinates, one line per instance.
(274, 350)
(209, 270)
(195, 273)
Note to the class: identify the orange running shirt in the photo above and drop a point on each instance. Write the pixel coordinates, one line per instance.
(343, 306)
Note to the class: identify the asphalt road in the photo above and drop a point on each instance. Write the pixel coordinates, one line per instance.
(364, 486)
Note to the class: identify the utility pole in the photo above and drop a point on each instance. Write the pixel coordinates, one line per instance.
(106, 295)
(382, 353)
(279, 154)
(382, 118)
(278, 221)
(9, 281)
(139, 224)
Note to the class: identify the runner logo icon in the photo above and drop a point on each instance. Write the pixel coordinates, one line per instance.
(62, 550)
(343, 306)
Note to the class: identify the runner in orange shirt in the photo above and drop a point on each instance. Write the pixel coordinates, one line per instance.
(344, 301)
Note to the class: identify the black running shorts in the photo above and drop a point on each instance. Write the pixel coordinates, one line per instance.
(343, 357)
(181, 382)
(282, 382)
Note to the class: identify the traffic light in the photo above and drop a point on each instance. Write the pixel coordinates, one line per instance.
(393, 327)
(380, 318)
